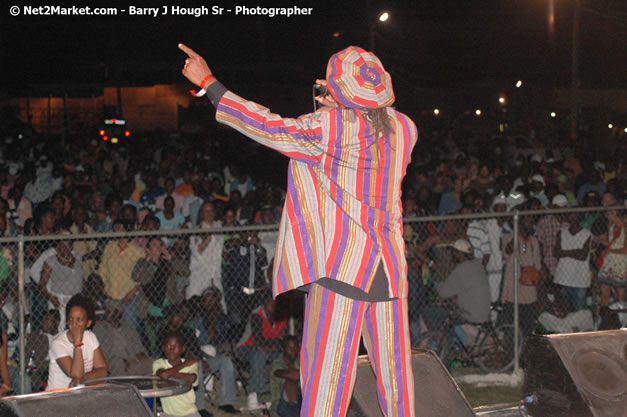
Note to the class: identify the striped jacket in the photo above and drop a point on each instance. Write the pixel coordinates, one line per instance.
(342, 213)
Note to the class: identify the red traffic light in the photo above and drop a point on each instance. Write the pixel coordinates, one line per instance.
(127, 133)
(105, 138)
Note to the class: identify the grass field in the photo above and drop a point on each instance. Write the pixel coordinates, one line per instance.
(478, 396)
(481, 390)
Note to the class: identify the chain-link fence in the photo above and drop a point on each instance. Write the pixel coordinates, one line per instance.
(541, 271)
(533, 270)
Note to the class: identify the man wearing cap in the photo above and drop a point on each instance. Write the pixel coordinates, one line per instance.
(512, 198)
(341, 230)
(537, 189)
(469, 283)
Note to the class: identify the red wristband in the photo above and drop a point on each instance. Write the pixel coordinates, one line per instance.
(204, 80)
(79, 345)
(201, 92)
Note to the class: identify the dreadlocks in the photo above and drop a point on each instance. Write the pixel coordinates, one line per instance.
(378, 119)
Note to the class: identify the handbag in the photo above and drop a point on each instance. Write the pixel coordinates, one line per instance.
(598, 262)
(529, 276)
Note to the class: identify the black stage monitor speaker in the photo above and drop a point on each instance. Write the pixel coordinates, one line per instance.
(577, 374)
(105, 400)
(437, 394)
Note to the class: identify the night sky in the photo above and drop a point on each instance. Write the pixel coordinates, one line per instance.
(426, 43)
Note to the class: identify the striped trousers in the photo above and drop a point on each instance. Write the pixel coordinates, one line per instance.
(333, 327)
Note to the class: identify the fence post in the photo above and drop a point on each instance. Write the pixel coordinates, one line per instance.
(22, 309)
(292, 326)
(516, 255)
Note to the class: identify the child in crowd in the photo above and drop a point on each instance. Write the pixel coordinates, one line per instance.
(75, 354)
(285, 379)
(173, 365)
(177, 316)
(38, 346)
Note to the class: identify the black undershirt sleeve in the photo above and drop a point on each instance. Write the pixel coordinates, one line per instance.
(215, 92)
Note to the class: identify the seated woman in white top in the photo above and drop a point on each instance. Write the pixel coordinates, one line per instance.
(75, 354)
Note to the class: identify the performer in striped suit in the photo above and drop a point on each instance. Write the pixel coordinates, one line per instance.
(341, 234)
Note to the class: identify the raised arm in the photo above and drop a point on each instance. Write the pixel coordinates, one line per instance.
(296, 138)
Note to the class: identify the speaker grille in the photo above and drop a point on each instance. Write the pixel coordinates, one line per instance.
(97, 401)
(437, 394)
(601, 373)
(577, 374)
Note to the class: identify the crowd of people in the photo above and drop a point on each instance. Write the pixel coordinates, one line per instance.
(141, 286)
(150, 287)
(578, 259)
(194, 346)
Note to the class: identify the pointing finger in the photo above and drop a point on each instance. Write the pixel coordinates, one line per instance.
(189, 51)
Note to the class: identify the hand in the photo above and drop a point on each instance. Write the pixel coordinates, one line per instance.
(55, 301)
(328, 99)
(77, 334)
(4, 388)
(195, 68)
(76, 381)
(128, 298)
(165, 373)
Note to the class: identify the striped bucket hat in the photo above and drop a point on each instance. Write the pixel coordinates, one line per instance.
(356, 79)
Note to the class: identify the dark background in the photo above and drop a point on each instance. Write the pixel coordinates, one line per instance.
(425, 44)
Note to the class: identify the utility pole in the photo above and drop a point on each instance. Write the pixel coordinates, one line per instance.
(575, 105)
(371, 27)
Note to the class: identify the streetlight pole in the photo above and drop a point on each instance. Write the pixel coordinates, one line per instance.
(381, 16)
(575, 72)
(371, 37)
(371, 25)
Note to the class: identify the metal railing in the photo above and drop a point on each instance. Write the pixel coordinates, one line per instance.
(234, 263)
